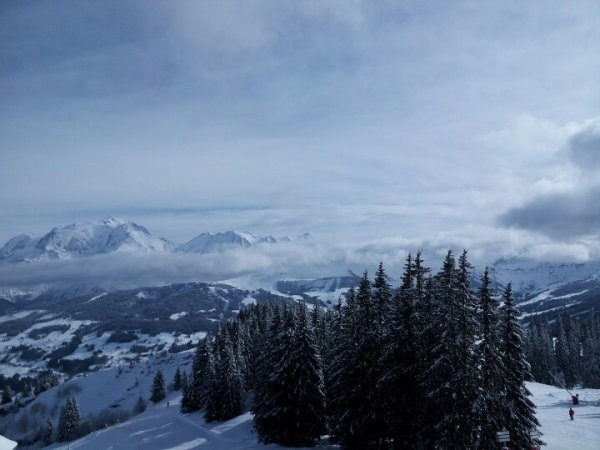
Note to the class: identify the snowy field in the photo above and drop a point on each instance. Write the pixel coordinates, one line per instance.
(164, 428)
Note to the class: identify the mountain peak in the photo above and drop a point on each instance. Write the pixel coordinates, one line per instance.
(108, 235)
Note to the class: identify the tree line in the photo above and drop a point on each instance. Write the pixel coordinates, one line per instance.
(432, 364)
(565, 352)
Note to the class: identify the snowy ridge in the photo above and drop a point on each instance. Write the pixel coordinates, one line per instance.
(109, 235)
(217, 242)
(530, 276)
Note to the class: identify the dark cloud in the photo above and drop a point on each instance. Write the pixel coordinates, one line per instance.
(584, 147)
(575, 213)
(559, 216)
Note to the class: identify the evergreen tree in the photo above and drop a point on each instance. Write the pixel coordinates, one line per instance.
(449, 381)
(186, 395)
(267, 350)
(7, 395)
(491, 385)
(47, 432)
(518, 415)
(540, 352)
(158, 388)
(590, 366)
(177, 380)
(355, 394)
(228, 384)
(400, 366)
(296, 388)
(211, 405)
(140, 406)
(342, 372)
(68, 420)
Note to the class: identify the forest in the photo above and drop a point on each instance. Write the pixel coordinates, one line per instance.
(432, 364)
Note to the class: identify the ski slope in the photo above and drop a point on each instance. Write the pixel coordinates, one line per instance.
(162, 427)
(559, 431)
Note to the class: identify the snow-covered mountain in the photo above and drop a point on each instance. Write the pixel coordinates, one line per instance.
(550, 288)
(109, 235)
(529, 276)
(217, 242)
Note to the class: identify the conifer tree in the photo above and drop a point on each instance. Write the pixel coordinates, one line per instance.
(140, 406)
(68, 420)
(491, 384)
(199, 379)
(158, 388)
(186, 395)
(590, 367)
(7, 395)
(228, 384)
(519, 413)
(342, 373)
(211, 405)
(177, 380)
(449, 381)
(47, 432)
(400, 379)
(265, 360)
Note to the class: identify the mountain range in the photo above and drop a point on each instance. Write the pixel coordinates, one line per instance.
(112, 235)
(540, 287)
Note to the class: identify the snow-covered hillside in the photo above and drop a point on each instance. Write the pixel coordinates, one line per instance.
(529, 276)
(84, 239)
(163, 427)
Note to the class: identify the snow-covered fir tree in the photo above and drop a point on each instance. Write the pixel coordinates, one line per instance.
(228, 384)
(195, 396)
(400, 379)
(68, 420)
(518, 415)
(491, 384)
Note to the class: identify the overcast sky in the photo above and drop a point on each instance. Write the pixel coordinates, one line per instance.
(381, 124)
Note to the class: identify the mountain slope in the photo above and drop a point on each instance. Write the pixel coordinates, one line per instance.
(109, 235)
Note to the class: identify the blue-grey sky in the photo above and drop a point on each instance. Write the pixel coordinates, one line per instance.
(383, 124)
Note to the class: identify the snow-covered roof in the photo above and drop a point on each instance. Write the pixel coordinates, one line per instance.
(7, 444)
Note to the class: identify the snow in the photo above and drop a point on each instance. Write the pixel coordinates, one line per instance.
(7, 444)
(559, 432)
(218, 242)
(96, 297)
(178, 315)
(249, 301)
(529, 276)
(162, 427)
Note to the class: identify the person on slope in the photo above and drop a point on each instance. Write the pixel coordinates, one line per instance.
(571, 413)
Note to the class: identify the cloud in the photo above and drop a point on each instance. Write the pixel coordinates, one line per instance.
(560, 216)
(569, 208)
(584, 147)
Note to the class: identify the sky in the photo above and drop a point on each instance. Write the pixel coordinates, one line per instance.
(384, 126)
